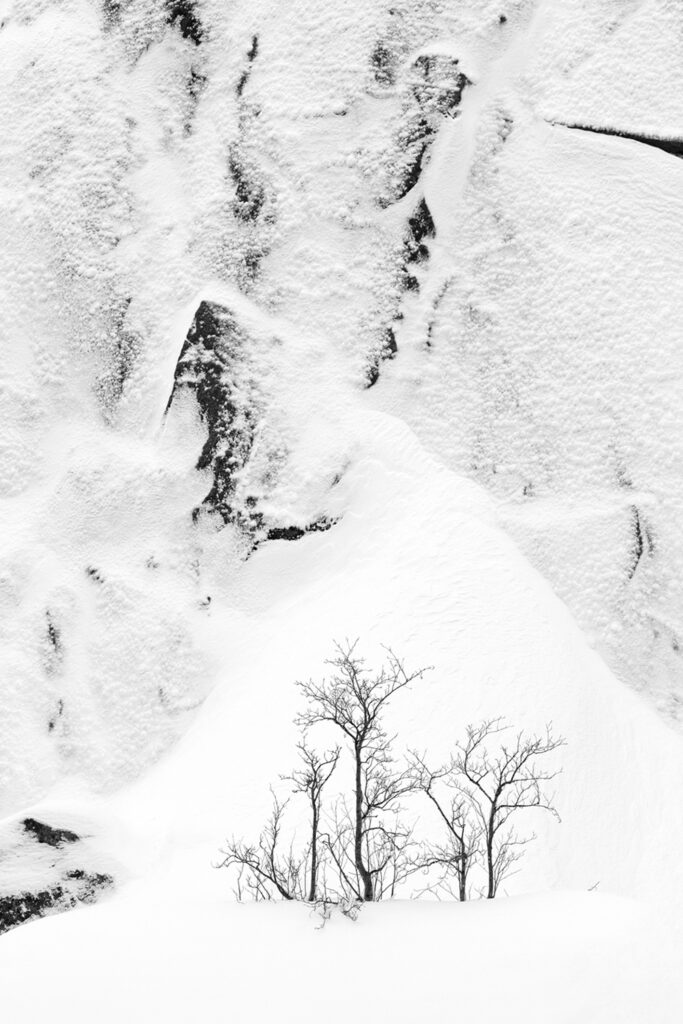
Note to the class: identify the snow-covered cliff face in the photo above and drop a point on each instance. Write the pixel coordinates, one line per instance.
(229, 230)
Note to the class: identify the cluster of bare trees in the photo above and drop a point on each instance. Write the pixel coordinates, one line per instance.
(359, 845)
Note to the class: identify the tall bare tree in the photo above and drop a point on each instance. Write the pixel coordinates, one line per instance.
(311, 779)
(500, 785)
(464, 832)
(354, 699)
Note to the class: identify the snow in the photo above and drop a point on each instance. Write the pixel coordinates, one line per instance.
(397, 962)
(506, 498)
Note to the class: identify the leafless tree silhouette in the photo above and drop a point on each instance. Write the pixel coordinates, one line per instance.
(263, 869)
(463, 846)
(354, 699)
(359, 847)
(498, 786)
(311, 780)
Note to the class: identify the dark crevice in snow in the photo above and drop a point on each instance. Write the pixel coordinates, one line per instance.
(243, 79)
(207, 366)
(123, 351)
(672, 146)
(54, 635)
(252, 53)
(54, 649)
(387, 350)
(412, 173)
(642, 540)
(250, 194)
(415, 250)
(420, 228)
(435, 90)
(47, 834)
(183, 15)
(384, 63)
(196, 84)
(52, 722)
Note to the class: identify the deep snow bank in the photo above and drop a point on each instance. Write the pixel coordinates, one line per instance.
(564, 959)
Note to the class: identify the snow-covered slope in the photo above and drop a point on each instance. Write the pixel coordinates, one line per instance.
(416, 561)
(322, 322)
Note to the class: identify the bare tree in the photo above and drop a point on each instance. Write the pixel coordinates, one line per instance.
(354, 700)
(389, 850)
(310, 780)
(498, 786)
(263, 869)
(464, 832)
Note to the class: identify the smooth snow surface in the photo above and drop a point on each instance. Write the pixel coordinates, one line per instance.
(566, 958)
(455, 336)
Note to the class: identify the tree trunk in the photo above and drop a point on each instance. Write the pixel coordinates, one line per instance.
(314, 855)
(489, 854)
(365, 876)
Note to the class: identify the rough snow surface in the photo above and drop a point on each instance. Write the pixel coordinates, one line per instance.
(446, 375)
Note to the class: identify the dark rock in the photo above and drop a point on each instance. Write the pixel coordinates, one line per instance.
(48, 835)
(250, 195)
(383, 62)
(22, 907)
(207, 366)
(183, 14)
(252, 53)
(642, 543)
(672, 145)
(296, 532)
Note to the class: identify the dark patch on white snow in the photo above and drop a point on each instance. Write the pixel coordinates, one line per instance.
(52, 722)
(671, 145)
(297, 532)
(47, 834)
(387, 350)
(250, 195)
(412, 173)
(415, 250)
(436, 86)
(440, 83)
(642, 543)
(252, 54)
(123, 351)
(384, 63)
(210, 355)
(76, 887)
(182, 14)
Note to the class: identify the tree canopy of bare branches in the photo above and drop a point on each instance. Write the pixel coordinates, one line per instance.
(462, 847)
(311, 779)
(354, 700)
(262, 868)
(358, 846)
(497, 786)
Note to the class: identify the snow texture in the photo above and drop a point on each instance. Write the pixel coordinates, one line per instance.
(325, 321)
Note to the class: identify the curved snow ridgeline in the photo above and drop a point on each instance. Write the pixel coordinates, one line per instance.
(326, 321)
